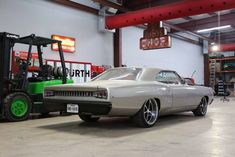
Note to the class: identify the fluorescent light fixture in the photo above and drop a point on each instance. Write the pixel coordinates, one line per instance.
(215, 47)
(214, 28)
(112, 10)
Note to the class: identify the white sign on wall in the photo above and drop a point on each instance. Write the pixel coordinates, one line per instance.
(78, 72)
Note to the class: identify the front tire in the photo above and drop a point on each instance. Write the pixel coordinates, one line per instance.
(148, 114)
(17, 107)
(89, 118)
(201, 110)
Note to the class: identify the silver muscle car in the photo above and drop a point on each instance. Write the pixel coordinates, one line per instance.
(140, 93)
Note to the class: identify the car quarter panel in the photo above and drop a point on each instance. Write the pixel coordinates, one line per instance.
(205, 91)
(129, 100)
(184, 97)
(187, 97)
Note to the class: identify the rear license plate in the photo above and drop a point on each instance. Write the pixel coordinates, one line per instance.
(72, 108)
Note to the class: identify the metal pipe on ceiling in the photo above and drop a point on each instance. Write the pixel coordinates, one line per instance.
(111, 4)
(121, 8)
(167, 24)
(76, 5)
(159, 13)
(174, 27)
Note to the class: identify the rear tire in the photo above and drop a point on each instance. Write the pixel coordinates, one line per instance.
(17, 107)
(148, 114)
(89, 118)
(201, 110)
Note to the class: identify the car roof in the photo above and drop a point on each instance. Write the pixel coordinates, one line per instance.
(148, 73)
(143, 68)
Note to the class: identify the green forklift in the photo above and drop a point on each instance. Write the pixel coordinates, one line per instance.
(20, 93)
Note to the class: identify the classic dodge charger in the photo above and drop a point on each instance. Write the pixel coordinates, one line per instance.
(140, 93)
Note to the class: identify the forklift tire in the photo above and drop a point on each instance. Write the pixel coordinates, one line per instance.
(17, 107)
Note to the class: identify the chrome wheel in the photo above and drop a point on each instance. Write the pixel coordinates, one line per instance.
(201, 110)
(148, 114)
(203, 106)
(150, 111)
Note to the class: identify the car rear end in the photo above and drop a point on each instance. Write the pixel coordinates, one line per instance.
(76, 99)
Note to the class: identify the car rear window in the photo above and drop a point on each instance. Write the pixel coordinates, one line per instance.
(119, 74)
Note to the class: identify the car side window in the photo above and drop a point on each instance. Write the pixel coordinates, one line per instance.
(169, 77)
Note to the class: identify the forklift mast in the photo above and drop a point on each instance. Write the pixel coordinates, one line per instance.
(6, 43)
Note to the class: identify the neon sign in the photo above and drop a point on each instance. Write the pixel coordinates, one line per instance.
(68, 43)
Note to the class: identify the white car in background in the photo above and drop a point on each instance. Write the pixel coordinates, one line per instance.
(141, 93)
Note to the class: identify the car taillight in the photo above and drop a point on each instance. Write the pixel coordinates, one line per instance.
(103, 94)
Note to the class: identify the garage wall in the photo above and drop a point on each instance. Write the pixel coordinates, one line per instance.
(45, 18)
(183, 57)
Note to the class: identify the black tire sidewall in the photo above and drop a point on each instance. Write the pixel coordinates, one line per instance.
(88, 118)
(198, 111)
(8, 103)
(204, 105)
(140, 120)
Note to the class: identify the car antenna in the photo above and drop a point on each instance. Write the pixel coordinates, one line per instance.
(193, 73)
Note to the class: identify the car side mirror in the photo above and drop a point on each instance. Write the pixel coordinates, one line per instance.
(182, 81)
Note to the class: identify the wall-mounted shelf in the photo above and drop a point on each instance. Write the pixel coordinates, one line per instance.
(227, 71)
(221, 73)
(223, 59)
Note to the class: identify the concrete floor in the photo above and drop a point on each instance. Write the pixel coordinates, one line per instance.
(180, 135)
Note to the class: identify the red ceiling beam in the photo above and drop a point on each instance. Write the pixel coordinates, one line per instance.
(167, 12)
(225, 47)
(174, 27)
(140, 4)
